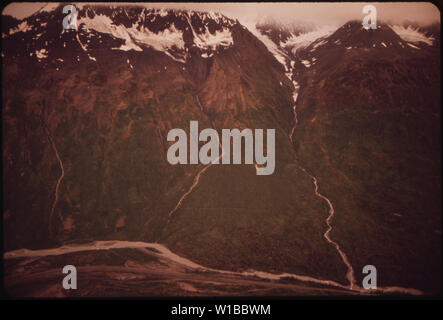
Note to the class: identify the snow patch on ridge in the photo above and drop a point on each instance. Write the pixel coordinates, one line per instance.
(41, 54)
(22, 27)
(305, 39)
(208, 40)
(411, 45)
(411, 34)
(211, 41)
(306, 63)
(51, 6)
(161, 41)
(270, 45)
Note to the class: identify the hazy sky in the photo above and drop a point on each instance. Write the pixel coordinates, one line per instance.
(422, 12)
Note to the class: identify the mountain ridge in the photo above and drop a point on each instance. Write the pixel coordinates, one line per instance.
(103, 98)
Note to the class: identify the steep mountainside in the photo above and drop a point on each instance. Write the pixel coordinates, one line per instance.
(86, 116)
(369, 110)
(356, 112)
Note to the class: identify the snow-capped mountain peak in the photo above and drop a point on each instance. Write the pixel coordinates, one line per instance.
(175, 33)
